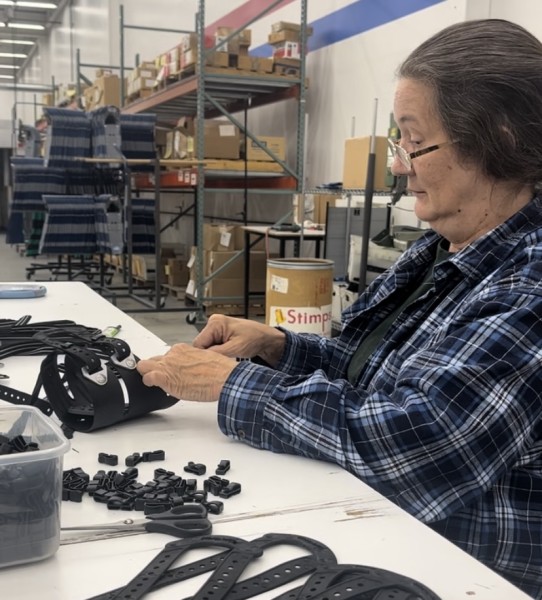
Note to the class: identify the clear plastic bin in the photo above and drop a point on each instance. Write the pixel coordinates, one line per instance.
(30, 487)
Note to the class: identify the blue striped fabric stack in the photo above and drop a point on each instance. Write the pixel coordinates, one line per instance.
(143, 238)
(31, 179)
(137, 133)
(68, 138)
(81, 225)
(70, 225)
(76, 196)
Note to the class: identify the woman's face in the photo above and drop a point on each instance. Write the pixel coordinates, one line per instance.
(452, 198)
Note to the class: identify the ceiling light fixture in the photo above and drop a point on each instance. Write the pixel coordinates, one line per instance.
(44, 5)
(26, 26)
(12, 55)
(7, 77)
(17, 42)
(9, 66)
(7, 3)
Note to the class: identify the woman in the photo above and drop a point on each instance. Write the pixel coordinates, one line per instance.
(432, 392)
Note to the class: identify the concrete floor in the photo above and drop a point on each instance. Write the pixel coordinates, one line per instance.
(170, 325)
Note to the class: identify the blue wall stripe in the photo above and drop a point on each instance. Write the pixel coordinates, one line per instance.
(354, 19)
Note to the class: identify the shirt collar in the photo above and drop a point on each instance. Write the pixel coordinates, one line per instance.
(489, 251)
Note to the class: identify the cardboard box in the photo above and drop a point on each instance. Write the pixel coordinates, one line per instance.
(103, 92)
(48, 99)
(219, 237)
(177, 273)
(288, 26)
(222, 140)
(321, 203)
(277, 145)
(229, 282)
(236, 45)
(286, 35)
(356, 156)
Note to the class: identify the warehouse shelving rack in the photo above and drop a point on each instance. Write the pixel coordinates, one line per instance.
(209, 93)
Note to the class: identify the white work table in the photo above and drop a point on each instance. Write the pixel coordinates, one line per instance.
(280, 493)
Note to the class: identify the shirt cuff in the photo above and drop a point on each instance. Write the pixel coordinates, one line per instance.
(243, 401)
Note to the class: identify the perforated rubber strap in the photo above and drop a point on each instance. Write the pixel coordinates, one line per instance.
(357, 582)
(320, 557)
(14, 396)
(146, 579)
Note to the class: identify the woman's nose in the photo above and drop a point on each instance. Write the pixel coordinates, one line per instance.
(398, 168)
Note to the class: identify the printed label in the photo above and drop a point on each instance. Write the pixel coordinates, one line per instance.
(303, 319)
(225, 239)
(279, 284)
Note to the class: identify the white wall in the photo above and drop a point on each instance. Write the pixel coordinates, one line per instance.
(345, 78)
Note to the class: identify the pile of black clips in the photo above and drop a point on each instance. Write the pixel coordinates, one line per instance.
(326, 578)
(120, 490)
(16, 445)
(29, 501)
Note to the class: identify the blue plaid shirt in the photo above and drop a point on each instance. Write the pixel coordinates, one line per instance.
(445, 419)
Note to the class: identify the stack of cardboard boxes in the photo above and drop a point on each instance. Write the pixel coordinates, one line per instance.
(104, 91)
(222, 242)
(173, 269)
(221, 140)
(285, 38)
(141, 81)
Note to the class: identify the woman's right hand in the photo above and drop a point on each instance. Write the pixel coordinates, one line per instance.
(240, 338)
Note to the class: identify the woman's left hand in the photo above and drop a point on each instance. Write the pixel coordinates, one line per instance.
(188, 373)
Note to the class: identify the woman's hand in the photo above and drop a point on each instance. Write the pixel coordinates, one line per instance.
(188, 373)
(240, 338)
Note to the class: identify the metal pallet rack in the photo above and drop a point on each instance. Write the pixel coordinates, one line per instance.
(207, 94)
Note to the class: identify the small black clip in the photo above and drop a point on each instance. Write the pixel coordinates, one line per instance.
(231, 489)
(223, 467)
(108, 459)
(154, 455)
(196, 468)
(133, 459)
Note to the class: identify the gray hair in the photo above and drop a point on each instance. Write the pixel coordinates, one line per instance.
(486, 76)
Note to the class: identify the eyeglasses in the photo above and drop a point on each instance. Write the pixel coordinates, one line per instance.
(406, 157)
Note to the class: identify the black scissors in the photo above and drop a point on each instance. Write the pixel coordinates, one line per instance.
(183, 521)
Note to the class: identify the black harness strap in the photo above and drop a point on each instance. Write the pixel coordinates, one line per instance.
(90, 381)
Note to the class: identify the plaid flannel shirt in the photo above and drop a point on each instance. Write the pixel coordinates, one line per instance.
(445, 419)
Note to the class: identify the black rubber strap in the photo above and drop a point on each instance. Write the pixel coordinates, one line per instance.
(146, 579)
(320, 557)
(14, 396)
(356, 582)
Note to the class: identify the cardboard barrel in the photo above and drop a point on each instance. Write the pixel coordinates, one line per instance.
(298, 294)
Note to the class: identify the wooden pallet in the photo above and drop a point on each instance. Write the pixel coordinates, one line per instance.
(179, 293)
